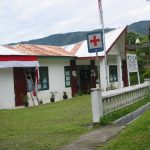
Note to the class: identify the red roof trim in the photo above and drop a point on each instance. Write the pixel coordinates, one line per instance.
(18, 58)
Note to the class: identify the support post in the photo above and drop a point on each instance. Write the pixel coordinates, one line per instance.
(96, 104)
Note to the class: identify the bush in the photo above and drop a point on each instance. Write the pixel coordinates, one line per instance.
(147, 73)
(133, 78)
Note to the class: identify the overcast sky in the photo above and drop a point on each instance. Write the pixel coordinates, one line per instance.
(22, 20)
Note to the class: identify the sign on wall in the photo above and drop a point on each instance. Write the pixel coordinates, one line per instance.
(132, 63)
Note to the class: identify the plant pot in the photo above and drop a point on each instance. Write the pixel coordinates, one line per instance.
(65, 97)
(52, 99)
(26, 104)
(40, 102)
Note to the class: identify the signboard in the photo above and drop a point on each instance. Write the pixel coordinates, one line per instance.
(95, 42)
(132, 63)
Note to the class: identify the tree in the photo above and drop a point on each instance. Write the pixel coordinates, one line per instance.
(131, 37)
(149, 34)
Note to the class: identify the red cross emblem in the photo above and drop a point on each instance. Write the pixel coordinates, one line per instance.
(95, 40)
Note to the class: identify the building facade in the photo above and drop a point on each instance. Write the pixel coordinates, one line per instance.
(70, 69)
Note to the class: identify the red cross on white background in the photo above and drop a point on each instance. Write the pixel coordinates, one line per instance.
(95, 40)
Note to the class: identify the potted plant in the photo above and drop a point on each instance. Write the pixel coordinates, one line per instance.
(53, 94)
(65, 96)
(40, 102)
(26, 100)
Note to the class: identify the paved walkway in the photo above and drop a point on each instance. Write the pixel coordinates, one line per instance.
(91, 140)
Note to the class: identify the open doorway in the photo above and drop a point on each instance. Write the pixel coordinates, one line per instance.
(85, 81)
(20, 86)
(23, 84)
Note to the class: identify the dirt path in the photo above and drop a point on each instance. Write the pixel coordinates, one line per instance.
(91, 140)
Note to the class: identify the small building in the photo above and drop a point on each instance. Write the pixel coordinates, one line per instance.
(69, 68)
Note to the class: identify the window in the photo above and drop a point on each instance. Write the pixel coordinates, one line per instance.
(44, 80)
(113, 77)
(67, 76)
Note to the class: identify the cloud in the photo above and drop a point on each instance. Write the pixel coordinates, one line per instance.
(29, 19)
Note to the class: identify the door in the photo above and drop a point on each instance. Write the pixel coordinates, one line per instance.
(85, 81)
(124, 73)
(20, 86)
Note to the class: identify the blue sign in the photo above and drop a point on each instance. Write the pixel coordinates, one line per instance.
(95, 42)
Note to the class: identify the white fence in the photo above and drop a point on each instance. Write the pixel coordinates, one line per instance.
(118, 98)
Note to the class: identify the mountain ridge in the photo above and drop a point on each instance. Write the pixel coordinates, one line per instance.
(62, 39)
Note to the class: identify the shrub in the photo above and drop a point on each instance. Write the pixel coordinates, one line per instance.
(147, 73)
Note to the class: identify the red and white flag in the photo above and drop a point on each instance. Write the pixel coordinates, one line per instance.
(36, 81)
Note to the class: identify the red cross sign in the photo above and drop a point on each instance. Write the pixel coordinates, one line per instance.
(95, 42)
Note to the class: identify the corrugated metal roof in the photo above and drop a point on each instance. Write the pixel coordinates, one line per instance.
(7, 51)
(38, 50)
(81, 48)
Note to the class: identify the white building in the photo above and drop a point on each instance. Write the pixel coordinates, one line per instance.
(69, 68)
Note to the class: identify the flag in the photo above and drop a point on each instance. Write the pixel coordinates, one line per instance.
(36, 81)
(37, 74)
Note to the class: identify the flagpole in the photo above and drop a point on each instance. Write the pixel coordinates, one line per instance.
(98, 70)
(101, 19)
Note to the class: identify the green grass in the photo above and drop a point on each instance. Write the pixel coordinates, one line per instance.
(46, 126)
(109, 118)
(136, 136)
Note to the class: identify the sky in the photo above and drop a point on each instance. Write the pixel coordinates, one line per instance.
(22, 20)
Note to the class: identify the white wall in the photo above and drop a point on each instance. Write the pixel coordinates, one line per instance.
(56, 79)
(7, 96)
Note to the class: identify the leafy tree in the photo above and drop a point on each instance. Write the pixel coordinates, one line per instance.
(131, 37)
(142, 50)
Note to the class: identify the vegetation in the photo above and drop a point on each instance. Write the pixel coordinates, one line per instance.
(147, 73)
(142, 50)
(134, 137)
(133, 78)
(46, 126)
(50, 126)
(62, 39)
(74, 37)
(139, 27)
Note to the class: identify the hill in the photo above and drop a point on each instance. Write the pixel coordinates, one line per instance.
(74, 37)
(140, 27)
(61, 39)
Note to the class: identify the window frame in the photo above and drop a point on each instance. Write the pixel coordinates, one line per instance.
(42, 71)
(114, 73)
(67, 74)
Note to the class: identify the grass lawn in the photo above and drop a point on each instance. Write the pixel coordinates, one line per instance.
(136, 136)
(49, 126)
(45, 127)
